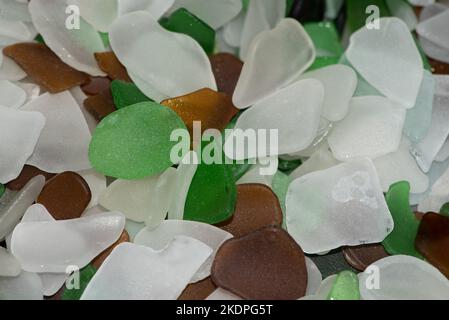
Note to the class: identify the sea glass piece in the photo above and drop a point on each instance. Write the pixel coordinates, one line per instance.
(402, 239)
(64, 142)
(389, 60)
(302, 101)
(443, 154)
(232, 31)
(142, 273)
(213, 109)
(279, 185)
(139, 135)
(75, 46)
(320, 160)
(183, 21)
(339, 84)
(9, 70)
(433, 29)
(133, 228)
(198, 291)
(227, 69)
(96, 86)
(437, 196)
(126, 94)
(167, 67)
(14, 10)
(9, 266)
(100, 105)
(156, 8)
(11, 95)
(419, 119)
(97, 184)
(401, 166)
(256, 207)
(432, 240)
(345, 287)
(65, 196)
(325, 38)
(215, 13)
(109, 63)
(360, 257)
(264, 265)
(54, 245)
(323, 290)
(20, 132)
(212, 194)
(159, 238)
(427, 149)
(372, 128)
(316, 200)
(11, 214)
(98, 261)
(80, 97)
(404, 11)
(286, 51)
(395, 284)
(314, 277)
(86, 274)
(28, 172)
(99, 14)
(26, 286)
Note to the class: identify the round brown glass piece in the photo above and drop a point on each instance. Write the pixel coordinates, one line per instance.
(432, 240)
(98, 261)
(65, 196)
(257, 206)
(227, 69)
(28, 173)
(199, 290)
(264, 265)
(360, 257)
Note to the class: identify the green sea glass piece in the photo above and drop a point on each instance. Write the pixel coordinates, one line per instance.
(212, 194)
(288, 166)
(134, 142)
(443, 211)
(183, 21)
(279, 185)
(39, 39)
(402, 239)
(105, 38)
(2, 190)
(86, 274)
(126, 94)
(356, 12)
(345, 287)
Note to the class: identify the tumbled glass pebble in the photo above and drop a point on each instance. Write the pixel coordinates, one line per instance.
(45, 67)
(389, 60)
(11, 95)
(100, 105)
(76, 47)
(98, 261)
(134, 142)
(264, 265)
(159, 238)
(11, 214)
(20, 132)
(9, 70)
(52, 246)
(285, 52)
(404, 278)
(212, 194)
(166, 68)
(360, 257)
(86, 274)
(256, 207)
(108, 62)
(26, 286)
(433, 29)
(345, 287)
(214, 109)
(432, 240)
(401, 166)
(372, 128)
(339, 83)
(65, 196)
(185, 22)
(302, 101)
(64, 142)
(402, 239)
(142, 273)
(126, 94)
(315, 202)
(9, 266)
(227, 69)
(198, 291)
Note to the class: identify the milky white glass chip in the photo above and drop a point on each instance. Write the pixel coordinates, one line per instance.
(9, 70)
(99, 13)
(11, 95)
(155, 7)
(9, 266)
(26, 286)
(314, 277)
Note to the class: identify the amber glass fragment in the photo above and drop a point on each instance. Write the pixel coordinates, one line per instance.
(109, 63)
(100, 105)
(226, 68)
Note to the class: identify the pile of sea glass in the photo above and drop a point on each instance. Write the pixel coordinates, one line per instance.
(93, 206)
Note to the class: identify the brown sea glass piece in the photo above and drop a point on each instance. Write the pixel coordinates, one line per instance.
(257, 207)
(96, 86)
(110, 64)
(214, 109)
(360, 257)
(65, 196)
(432, 240)
(226, 68)
(199, 290)
(28, 173)
(264, 265)
(439, 67)
(98, 261)
(100, 105)
(45, 67)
